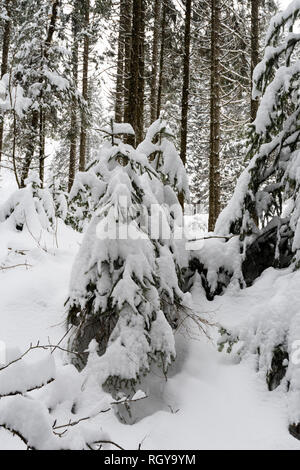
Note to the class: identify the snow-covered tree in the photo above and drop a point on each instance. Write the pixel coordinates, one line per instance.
(164, 158)
(120, 273)
(267, 193)
(265, 213)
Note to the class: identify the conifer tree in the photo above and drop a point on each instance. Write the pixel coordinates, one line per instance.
(124, 280)
(271, 179)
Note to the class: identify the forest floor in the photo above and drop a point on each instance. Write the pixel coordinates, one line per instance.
(209, 400)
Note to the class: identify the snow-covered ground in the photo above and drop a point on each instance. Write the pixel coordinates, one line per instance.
(209, 400)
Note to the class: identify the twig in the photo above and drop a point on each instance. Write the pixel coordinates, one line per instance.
(37, 346)
(37, 387)
(4, 268)
(17, 433)
(105, 442)
(74, 423)
(214, 237)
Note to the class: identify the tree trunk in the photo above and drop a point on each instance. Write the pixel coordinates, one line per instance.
(254, 51)
(214, 174)
(127, 62)
(161, 58)
(119, 110)
(156, 27)
(135, 106)
(141, 78)
(42, 147)
(4, 64)
(34, 131)
(185, 87)
(73, 122)
(85, 73)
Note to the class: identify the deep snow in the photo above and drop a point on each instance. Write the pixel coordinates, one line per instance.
(209, 401)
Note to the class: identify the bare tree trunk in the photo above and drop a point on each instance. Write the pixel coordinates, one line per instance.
(119, 110)
(141, 79)
(74, 123)
(161, 58)
(254, 50)
(135, 106)
(154, 72)
(4, 64)
(185, 87)
(42, 147)
(127, 63)
(214, 174)
(34, 132)
(85, 83)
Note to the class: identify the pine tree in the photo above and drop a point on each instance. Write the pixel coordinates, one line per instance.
(271, 179)
(124, 281)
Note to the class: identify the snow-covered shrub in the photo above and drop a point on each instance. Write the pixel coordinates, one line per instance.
(31, 208)
(218, 262)
(124, 291)
(60, 199)
(269, 336)
(87, 190)
(47, 406)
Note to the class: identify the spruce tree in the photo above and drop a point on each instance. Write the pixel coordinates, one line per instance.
(124, 278)
(266, 201)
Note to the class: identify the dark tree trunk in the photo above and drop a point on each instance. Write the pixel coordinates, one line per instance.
(141, 79)
(161, 58)
(73, 122)
(85, 90)
(4, 64)
(214, 174)
(42, 147)
(185, 87)
(154, 72)
(135, 106)
(119, 110)
(254, 50)
(127, 61)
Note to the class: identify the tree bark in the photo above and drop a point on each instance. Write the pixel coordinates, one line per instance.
(4, 64)
(73, 121)
(254, 51)
(85, 83)
(42, 147)
(161, 58)
(127, 62)
(135, 105)
(141, 78)
(119, 110)
(214, 173)
(185, 87)
(154, 72)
